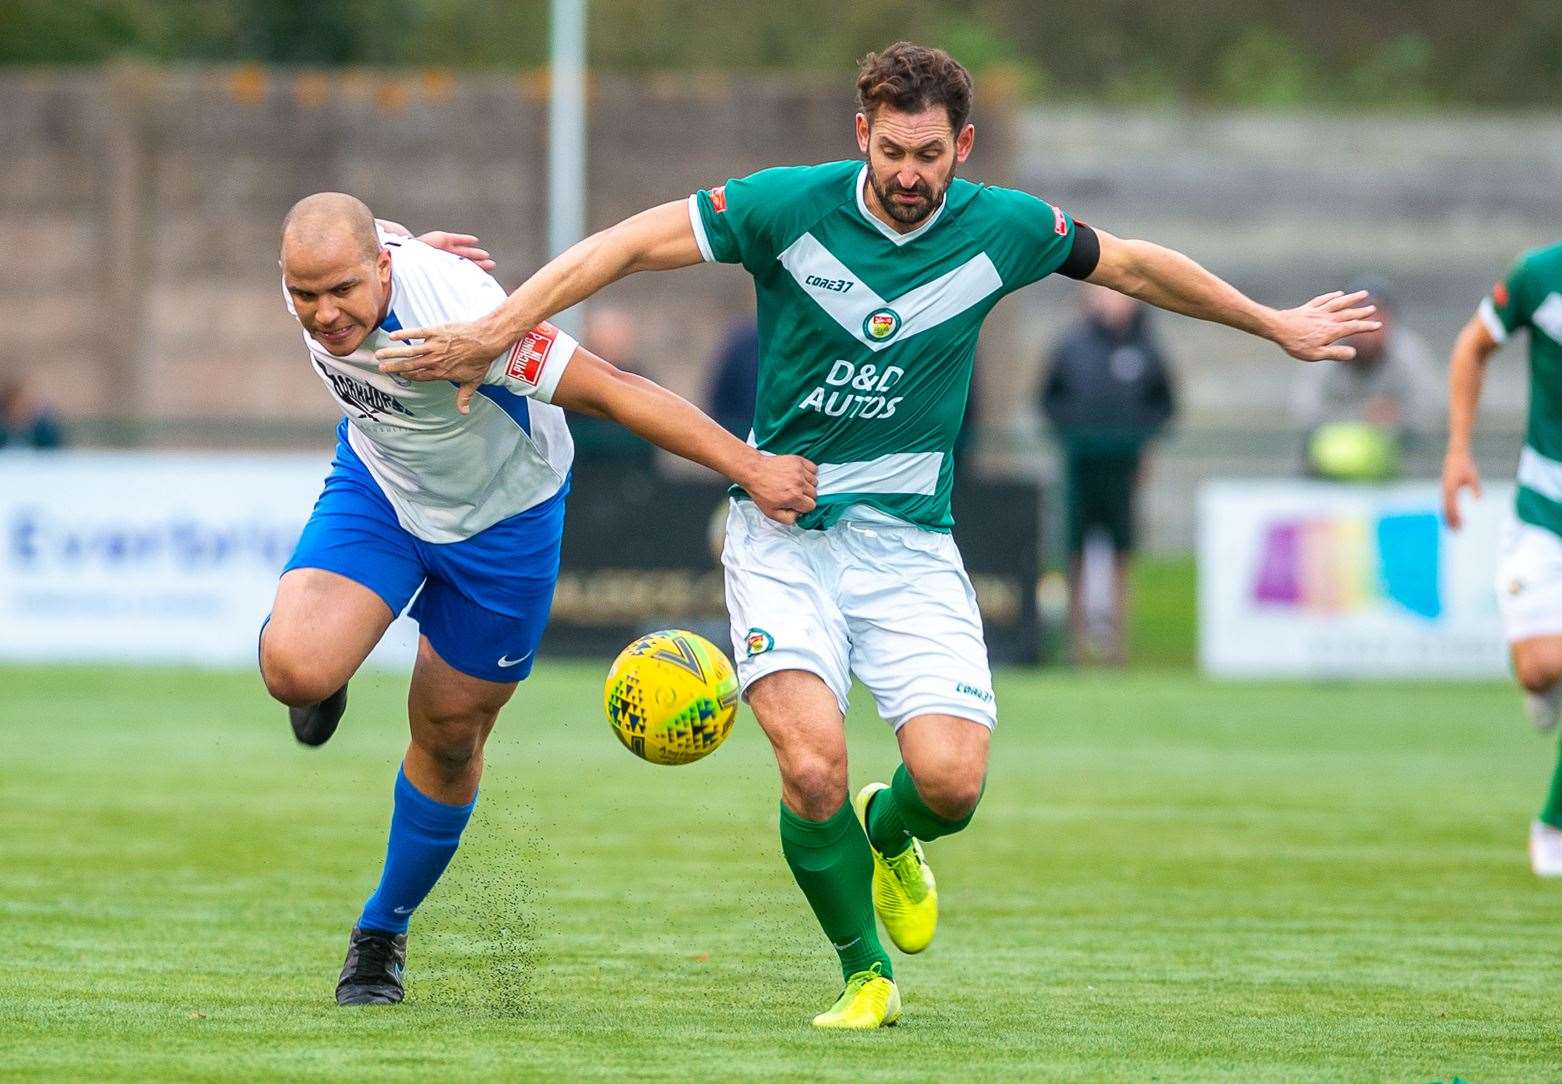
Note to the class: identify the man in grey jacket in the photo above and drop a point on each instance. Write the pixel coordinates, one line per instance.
(1358, 415)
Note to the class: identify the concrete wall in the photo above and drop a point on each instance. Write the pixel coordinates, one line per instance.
(144, 206)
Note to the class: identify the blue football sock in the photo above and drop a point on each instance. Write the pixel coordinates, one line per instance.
(424, 835)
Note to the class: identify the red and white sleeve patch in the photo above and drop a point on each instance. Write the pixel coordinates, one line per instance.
(1059, 222)
(529, 357)
(1499, 295)
(718, 199)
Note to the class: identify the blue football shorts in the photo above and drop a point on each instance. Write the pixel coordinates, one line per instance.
(484, 600)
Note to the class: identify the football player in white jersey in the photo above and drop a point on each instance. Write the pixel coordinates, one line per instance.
(453, 502)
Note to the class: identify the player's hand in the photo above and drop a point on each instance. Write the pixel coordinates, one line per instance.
(459, 244)
(1458, 473)
(459, 353)
(782, 486)
(1312, 332)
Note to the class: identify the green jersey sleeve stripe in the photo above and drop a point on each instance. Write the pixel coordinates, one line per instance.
(697, 220)
(1488, 314)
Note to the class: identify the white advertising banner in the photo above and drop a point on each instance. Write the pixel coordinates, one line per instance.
(1315, 579)
(151, 556)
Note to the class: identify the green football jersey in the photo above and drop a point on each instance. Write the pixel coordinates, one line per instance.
(867, 336)
(1531, 297)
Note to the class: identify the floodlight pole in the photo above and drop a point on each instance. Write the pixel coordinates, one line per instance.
(567, 136)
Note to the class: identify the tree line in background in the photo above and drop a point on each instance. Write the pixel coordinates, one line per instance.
(1338, 54)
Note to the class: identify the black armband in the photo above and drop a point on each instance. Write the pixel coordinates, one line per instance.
(1084, 256)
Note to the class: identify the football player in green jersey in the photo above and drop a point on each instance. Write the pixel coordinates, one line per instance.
(872, 279)
(1529, 568)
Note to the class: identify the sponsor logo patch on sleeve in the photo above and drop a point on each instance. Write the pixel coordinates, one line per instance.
(758, 641)
(718, 199)
(1499, 295)
(1059, 222)
(529, 357)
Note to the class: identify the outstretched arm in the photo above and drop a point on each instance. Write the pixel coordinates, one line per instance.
(659, 239)
(783, 486)
(1466, 372)
(1169, 280)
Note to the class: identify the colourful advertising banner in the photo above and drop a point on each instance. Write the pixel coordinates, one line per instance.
(1314, 579)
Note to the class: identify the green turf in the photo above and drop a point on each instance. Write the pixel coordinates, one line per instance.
(1168, 880)
(1163, 611)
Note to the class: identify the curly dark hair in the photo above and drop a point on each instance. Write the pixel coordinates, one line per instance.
(910, 78)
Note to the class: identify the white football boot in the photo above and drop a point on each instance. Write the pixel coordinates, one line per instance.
(1545, 850)
(1544, 708)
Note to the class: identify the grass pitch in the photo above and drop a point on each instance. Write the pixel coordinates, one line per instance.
(1167, 880)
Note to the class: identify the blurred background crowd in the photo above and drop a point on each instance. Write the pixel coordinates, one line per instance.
(1403, 147)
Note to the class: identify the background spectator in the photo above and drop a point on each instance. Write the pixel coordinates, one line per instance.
(610, 333)
(25, 421)
(1360, 414)
(1107, 392)
(736, 373)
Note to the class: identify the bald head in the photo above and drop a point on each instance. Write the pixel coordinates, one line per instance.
(335, 271)
(331, 218)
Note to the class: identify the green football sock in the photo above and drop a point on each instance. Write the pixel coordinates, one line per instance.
(834, 868)
(1552, 812)
(899, 815)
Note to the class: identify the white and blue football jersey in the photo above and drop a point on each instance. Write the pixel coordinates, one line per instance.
(449, 475)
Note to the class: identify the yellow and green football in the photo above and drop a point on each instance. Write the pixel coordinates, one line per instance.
(671, 696)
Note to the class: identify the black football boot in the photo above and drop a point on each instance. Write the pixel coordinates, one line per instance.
(372, 973)
(313, 724)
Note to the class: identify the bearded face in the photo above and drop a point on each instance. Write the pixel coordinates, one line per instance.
(909, 206)
(912, 158)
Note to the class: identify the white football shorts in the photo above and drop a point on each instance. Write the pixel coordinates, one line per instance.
(1529, 580)
(874, 597)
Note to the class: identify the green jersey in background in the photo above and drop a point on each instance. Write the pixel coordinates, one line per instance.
(1531, 296)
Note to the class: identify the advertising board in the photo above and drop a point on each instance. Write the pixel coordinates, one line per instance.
(168, 557)
(1314, 579)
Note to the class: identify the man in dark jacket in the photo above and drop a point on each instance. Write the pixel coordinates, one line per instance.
(1107, 392)
(737, 374)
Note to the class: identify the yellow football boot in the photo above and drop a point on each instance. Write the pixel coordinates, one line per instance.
(904, 892)
(869, 1001)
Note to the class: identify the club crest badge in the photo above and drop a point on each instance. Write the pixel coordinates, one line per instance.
(759, 641)
(881, 325)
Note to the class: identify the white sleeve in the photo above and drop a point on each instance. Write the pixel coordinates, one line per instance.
(434, 287)
(701, 238)
(534, 366)
(1489, 317)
